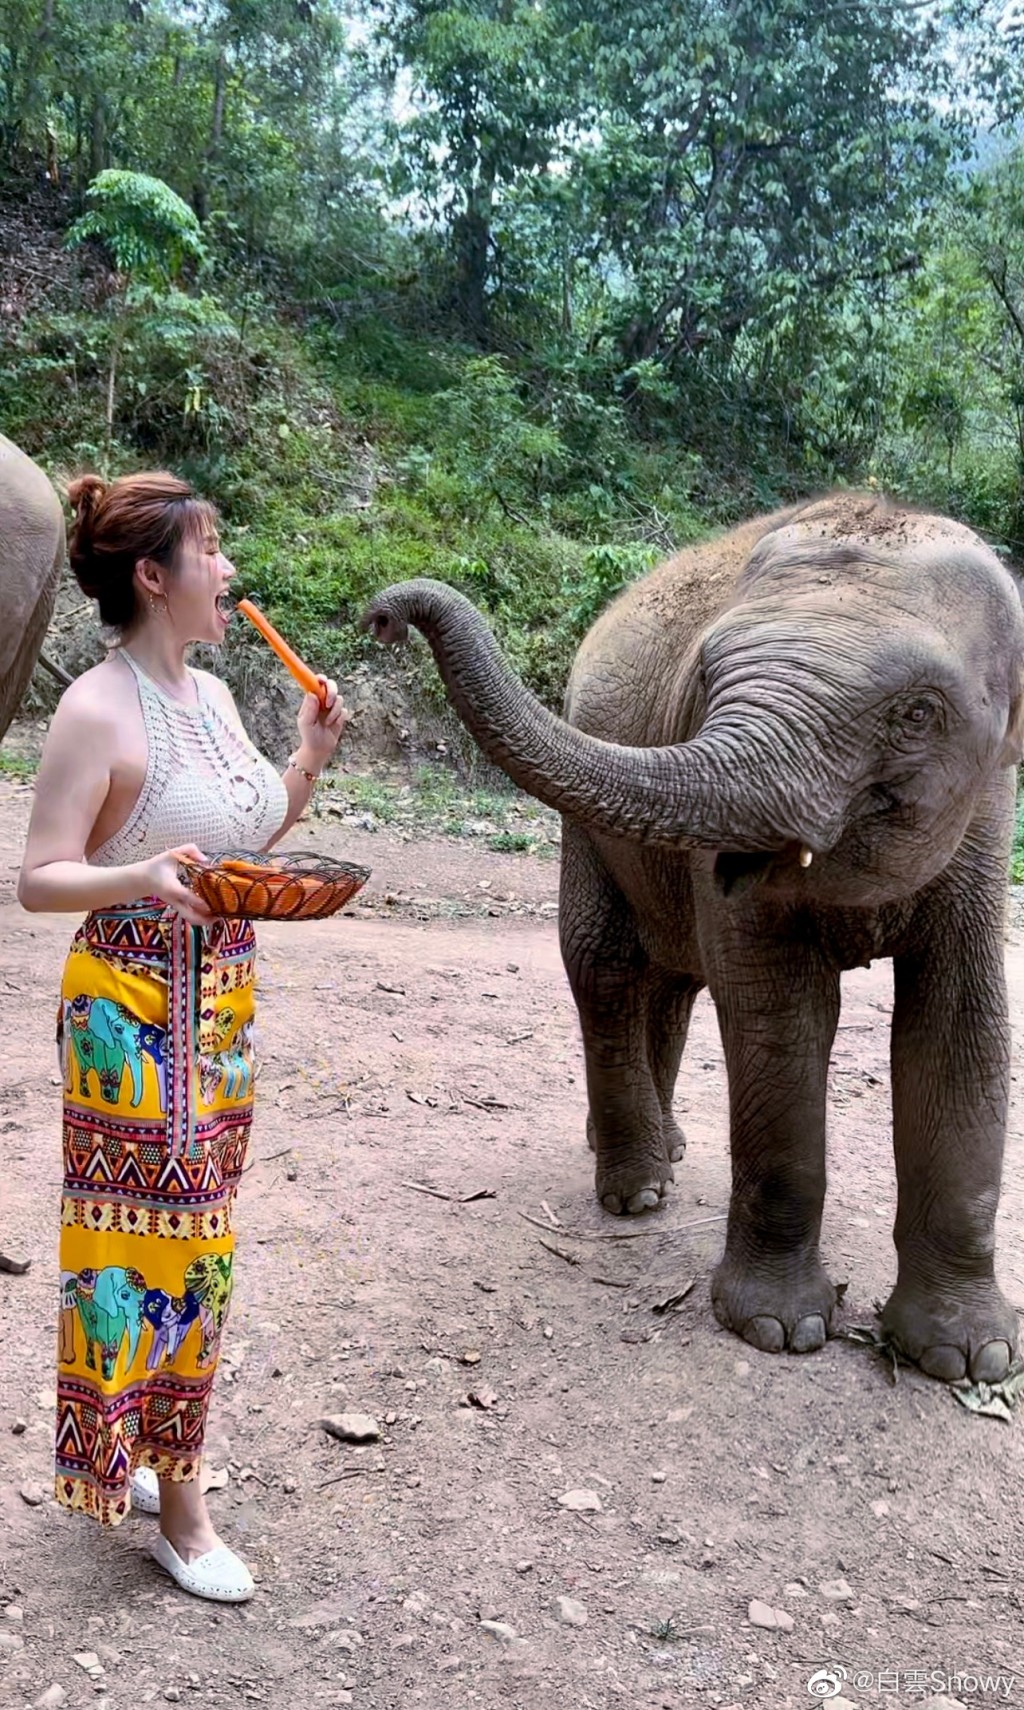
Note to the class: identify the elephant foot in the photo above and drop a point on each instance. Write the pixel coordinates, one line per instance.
(675, 1140)
(635, 1185)
(952, 1332)
(781, 1306)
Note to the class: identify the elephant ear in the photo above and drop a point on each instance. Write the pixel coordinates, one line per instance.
(693, 707)
(1012, 751)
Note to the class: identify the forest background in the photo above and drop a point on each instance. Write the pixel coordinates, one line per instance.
(521, 294)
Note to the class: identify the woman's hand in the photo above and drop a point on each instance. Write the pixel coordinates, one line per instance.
(320, 727)
(161, 880)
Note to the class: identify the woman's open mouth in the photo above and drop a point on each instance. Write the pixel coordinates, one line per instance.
(225, 605)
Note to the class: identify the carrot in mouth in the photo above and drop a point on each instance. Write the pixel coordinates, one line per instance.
(306, 678)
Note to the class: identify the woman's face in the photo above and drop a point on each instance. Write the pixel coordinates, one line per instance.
(196, 592)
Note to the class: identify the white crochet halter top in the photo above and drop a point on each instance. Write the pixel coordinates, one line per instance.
(205, 783)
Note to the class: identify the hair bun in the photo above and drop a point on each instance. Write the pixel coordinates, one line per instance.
(84, 494)
(119, 522)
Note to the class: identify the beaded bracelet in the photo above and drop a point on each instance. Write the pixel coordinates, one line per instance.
(310, 777)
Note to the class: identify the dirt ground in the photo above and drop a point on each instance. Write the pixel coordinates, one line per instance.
(431, 1039)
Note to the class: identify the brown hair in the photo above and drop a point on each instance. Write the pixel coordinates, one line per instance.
(116, 524)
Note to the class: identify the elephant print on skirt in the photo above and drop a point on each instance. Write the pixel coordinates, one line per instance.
(228, 1074)
(209, 1279)
(110, 1308)
(170, 1317)
(115, 1303)
(68, 1312)
(97, 1034)
(151, 1169)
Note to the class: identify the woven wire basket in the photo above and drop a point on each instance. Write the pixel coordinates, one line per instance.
(302, 886)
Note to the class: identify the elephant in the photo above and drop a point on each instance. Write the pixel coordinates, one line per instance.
(238, 1064)
(150, 1041)
(68, 1305)
(785, 753)
(209, 1280)
(170, 1317)
(32, 550)
(228, 1071)
(105, 1037)
(94, 1048)
(110, 1305)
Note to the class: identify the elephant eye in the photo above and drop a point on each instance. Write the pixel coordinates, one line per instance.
(918, 713)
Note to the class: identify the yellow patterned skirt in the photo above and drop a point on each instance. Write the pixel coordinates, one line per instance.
(155, 1038)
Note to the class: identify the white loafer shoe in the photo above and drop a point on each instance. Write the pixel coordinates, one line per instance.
(219, 1576)
(145, 1491)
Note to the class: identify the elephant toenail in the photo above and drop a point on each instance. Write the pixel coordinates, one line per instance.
(944, 1362)
(645, 1200)
(766, 1334)
(991, 1363)
(613, 1203)
(810, 1333)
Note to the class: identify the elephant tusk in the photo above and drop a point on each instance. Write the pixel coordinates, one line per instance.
(806, 856)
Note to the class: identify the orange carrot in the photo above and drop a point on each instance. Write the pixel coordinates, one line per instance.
(306, 678)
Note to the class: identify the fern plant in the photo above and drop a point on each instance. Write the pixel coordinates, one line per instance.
(150, 233)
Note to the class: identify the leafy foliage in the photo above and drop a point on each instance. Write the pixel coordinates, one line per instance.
(148, 229)
(604, 572)
(524, 297)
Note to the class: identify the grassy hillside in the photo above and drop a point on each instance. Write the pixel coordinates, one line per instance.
(346, 453)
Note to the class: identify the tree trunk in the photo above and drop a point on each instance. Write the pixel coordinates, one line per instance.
(200, 191)
(98, 138)
(471, 238)
(567, 276)
(77, 109)
(116, 341)
(217, 123)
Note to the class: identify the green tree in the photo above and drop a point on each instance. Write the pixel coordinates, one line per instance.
(149, 231)
(492, 89)
(989, 230)
(955, 433)
(750, 159)
(150, 234)
(244, 107)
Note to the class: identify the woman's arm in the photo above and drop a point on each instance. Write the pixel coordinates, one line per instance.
(299, 789)
(72, 785)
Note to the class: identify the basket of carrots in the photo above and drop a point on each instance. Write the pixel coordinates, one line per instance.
(303, 886)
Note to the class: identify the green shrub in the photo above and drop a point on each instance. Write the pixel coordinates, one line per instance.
(147, 228)
(603, 573)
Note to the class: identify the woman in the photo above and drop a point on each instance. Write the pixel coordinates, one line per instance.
(146, 760)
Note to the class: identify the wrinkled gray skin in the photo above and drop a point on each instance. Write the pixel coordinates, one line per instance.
(843, 678)
(31, 557)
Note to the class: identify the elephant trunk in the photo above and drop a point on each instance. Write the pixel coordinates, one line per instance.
(709, 792)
